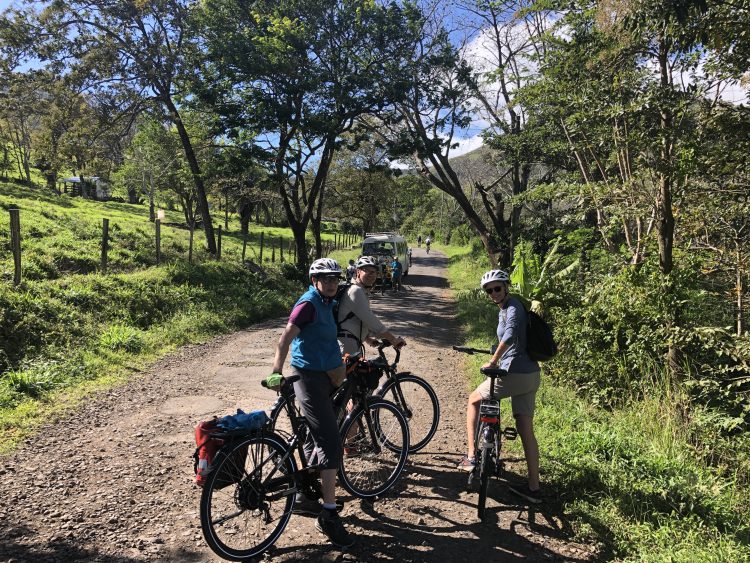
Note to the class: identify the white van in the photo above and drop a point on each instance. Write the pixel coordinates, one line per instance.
(384, 246)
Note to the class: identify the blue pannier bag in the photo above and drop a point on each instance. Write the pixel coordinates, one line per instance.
(243, 421)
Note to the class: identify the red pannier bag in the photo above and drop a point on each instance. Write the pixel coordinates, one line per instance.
(206, 449)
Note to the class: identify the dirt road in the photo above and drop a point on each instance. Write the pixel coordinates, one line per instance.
(115, 482)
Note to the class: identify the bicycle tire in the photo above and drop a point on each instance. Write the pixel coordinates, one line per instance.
(485, 471)
(423, 422)
(374, 453)
(284, 427)
(237, 521)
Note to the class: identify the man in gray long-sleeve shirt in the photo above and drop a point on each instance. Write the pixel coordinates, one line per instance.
(357, 322)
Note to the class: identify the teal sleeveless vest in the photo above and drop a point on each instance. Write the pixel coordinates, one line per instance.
(316, 347)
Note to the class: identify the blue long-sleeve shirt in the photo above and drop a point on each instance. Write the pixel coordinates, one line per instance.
(511, 329)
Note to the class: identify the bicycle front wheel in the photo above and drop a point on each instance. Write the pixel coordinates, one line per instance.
(376, 446)
(485, 471)
(419, 404)
(248, 497)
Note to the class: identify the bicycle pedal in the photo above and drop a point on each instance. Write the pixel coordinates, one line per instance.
(510, 433)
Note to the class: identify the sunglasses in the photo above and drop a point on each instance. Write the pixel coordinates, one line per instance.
(491, 290)
(328, 279)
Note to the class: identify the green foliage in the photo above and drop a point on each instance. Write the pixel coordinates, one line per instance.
(122, 337)
(644, 478)
(123, 315)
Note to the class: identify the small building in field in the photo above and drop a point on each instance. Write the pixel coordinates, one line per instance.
(93, 187)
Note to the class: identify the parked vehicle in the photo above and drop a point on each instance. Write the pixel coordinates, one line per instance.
(384, 246)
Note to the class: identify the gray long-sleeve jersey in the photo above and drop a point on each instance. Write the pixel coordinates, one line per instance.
(364, 322)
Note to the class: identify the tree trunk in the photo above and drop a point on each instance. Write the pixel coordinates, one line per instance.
(200, 189)
(739, 287)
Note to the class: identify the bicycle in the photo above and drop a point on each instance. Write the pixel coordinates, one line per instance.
(409, 392)
(249, 494)
(374, 432)
(412, 394)
(487, 437)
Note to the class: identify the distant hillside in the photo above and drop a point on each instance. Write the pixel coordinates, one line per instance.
(475, 167)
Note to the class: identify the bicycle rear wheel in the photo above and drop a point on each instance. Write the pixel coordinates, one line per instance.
(248, 497)
(376, 446)
(485, 471)
(420, 406)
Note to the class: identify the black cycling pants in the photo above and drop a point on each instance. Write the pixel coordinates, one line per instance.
(313, 392)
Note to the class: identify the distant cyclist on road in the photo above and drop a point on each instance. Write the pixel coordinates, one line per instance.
(427, 243)
(357, 322)
(311, 332)
(520, 384)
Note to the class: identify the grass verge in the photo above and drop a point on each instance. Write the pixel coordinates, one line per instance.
(63, 339)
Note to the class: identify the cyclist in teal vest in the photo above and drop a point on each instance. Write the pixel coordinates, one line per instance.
(311, 332)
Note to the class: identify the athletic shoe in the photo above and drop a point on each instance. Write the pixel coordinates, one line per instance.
(331, 525)
(305, 506)
(523, 491)
(467, 464)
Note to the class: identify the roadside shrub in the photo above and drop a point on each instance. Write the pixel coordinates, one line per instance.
(121, 337)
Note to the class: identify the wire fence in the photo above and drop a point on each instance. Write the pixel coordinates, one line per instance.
(258, 247)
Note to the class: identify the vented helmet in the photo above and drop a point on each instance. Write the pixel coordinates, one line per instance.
(494, 276)
(324, 266)
(364, 261)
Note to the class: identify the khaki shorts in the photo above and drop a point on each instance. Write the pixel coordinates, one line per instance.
(520, 387)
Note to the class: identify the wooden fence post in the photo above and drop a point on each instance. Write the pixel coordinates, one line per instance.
(260, 256)
(157, 223)
(218, 243)
(15, 243)
(281, 249)
(190, 245)
(105, 243)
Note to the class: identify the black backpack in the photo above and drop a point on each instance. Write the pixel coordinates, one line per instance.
(540, 343)
(340, 292)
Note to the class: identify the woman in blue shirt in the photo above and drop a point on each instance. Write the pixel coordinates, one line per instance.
(520, 384)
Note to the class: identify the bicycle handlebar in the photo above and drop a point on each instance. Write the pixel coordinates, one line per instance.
(468, 350)
(385, 344)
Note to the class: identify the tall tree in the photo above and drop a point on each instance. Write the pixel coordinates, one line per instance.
(433, 107)
(298, 73)
(132, 52)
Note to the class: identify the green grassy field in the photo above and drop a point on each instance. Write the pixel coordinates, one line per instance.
(62, 235)
(69, 329)
(630, 480)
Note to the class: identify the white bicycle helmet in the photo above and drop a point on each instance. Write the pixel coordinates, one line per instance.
(494, 276)
(366, 261)
(324, 266)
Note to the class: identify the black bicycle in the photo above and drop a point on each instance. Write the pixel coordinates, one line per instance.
(249, 494)
(487, 437)
(374, 431)
(412, 394)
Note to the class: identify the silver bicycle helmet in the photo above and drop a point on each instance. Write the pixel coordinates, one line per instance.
(494, 276)
(324, 266)
(366, 261)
